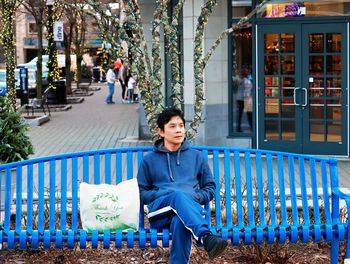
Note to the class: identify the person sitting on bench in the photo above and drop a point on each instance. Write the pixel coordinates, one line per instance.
(175, 181)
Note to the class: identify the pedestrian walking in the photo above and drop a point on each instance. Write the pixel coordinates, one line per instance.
(111, 78)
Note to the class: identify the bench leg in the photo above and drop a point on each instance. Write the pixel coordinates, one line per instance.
(334, 251)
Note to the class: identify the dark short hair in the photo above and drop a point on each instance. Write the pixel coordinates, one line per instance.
(167, 114)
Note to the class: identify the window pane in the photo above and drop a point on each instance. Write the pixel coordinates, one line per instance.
(271, 65)
(271, 43)
(316, 66)
(333, 42)
(317, 131)
(271, 107)
(287, 43)
(271, 130)
(287, 63)
(333, 65)
(316, 43)
(288, 130)
(334, 132)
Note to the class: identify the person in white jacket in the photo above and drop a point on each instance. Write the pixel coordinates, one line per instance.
(111, 78)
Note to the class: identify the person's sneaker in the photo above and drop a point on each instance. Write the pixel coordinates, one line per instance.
(214, 245)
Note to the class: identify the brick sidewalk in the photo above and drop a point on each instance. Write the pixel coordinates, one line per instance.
(87, 126)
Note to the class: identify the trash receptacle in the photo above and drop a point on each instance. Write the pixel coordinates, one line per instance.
(58, 95)
(96, 73)
(61, 92)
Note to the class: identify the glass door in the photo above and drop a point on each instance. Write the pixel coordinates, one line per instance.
(302, 95)
(324, 105)
(279, 87)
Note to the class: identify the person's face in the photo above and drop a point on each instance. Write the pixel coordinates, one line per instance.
(173, 134)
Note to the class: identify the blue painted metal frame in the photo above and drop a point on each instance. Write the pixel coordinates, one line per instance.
(260, 196)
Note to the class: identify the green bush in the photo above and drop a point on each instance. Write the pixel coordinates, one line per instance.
(15, 144)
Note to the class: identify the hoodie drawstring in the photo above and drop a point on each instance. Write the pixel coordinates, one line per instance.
(178, 157)
(169, 168)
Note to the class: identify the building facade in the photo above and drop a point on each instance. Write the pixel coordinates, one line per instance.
(296, 56)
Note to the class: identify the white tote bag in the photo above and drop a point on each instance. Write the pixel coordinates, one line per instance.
(110, 207)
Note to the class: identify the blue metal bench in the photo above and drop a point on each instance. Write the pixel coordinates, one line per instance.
(260, 196)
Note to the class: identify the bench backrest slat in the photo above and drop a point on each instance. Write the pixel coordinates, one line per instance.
(216, 172)
(271, 191)
(97, 176)
(118, 169)
(18, 198)
(305, 207)
(41, 197)
(205, 154)
(325, 192)
(75, 189)
(129, 174)
(316, 208)
(86, 168)
(52, 195)
(107, 168)
(281, 190)
(249, 181)
(30, 191)
(63, 207)
(293, 198)
(239, 201)
(260, 185)
(227, 182)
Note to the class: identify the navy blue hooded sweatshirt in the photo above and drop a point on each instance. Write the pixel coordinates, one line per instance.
(163, 172)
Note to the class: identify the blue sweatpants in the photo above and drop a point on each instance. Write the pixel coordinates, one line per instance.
(184, 217)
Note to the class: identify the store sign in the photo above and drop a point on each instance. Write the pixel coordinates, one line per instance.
(58, 31)
(285, 10)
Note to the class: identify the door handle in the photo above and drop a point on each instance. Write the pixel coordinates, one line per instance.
(295, 95)
(306, 97)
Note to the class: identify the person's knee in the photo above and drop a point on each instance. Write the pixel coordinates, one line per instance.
(178, 196)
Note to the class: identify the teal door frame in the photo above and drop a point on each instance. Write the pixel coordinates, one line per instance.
(300, 116)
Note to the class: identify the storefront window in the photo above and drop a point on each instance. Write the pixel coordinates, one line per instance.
(280, 9)
(242, 82)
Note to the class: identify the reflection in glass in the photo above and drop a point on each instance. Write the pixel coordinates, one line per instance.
(334, 132)
(271, 130)
(316, 112)
(316, 65)
(287, 108)
(333, 92)
(333, 82)
(287, 42)
(334, 112)
(333, 42)
(317, 131)
(287, 63)
(288, 85)
(271, 107)
(271, 86)
(317, 102)
(316, 43)
(316, 93)
(333, 65)
(271, 65)
(288, 130)
(271, 43)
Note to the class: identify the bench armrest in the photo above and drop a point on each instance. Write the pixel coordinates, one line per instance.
(341, 195)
